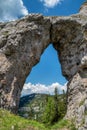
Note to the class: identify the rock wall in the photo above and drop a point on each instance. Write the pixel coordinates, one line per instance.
(23, 41)
(69, 37)
(21, 45)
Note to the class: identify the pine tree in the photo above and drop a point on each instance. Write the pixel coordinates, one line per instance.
(56, 115)
(55, 108)
(64, 102)
(50, 115)
(49, 112)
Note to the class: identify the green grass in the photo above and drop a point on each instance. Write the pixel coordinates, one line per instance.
(63, 124)
(10, 121)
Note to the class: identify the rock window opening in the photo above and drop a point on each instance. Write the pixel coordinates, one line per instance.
(46, 73)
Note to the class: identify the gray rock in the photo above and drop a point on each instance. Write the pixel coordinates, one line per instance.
(22, 43)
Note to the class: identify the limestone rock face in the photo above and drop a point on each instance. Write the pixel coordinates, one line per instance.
(77, 99)
(69, 37)
(21, 45)
(23, 41)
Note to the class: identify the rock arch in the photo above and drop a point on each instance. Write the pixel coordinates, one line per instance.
(23, 41)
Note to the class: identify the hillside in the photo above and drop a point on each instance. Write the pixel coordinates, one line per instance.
(9, 121)
(32, 106)
(31, 111)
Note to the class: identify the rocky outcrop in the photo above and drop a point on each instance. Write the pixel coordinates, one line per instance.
(23, 41)
(21, 45)
(69, 37)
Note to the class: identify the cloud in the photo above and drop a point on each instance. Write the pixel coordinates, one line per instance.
(30, 88)
(50, 3)
(12, 9)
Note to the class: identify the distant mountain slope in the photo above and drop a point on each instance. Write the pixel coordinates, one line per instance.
(26, 99)
(32, 106)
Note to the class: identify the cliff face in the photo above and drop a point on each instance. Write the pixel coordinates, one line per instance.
(23, 41)
(21, 45)
(69, 37)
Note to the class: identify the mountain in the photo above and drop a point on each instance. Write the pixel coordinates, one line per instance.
(32, 106)
(26, 99)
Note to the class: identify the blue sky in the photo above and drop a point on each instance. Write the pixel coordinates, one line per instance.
(47, 73)
(64, 7)
(48, 70)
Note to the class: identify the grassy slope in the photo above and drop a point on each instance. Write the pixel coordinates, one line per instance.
(9, 121)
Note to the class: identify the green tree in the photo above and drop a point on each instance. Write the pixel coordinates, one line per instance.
(55, 108)
(62, 105)
(51, 111)
(31, 113)
(48, 115)
(56, 113)
(65, 100)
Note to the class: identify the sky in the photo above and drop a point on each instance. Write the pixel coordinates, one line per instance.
(46, 75)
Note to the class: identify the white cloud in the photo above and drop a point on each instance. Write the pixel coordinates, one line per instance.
(12, 9)
(50, 3)
(41, 88)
